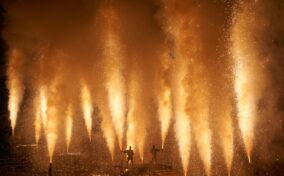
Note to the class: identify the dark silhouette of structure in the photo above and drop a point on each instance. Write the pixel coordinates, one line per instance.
(50, 169)
(154, 151)
(129, 154)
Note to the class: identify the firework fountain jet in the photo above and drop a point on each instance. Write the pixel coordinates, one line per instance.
(164, 100)
(189, 68)
(115, 79)
(248, 86)
(43, 105)
(40, 112)
(165, 112)
(198, 108)
(131, 126)
(50, 112)
(136, 126)
(87, 107)
(15, 85)
(174, 28)
(68, 126)
(51, 132)
(108, 129)
(182, 122)
(226, 134)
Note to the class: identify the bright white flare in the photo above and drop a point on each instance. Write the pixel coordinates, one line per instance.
(87, 108)
(15, 85)
(69, 126)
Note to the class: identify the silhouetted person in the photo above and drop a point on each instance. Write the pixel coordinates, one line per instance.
(154, 151)
(129, 154)
(50, 169)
